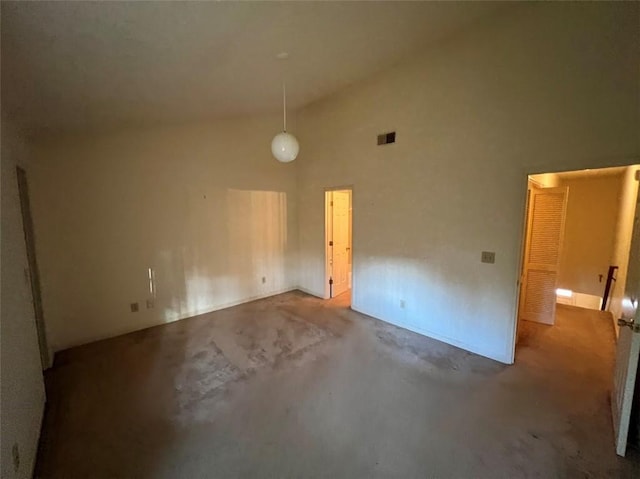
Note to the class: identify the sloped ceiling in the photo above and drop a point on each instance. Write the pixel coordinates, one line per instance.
(69, 66)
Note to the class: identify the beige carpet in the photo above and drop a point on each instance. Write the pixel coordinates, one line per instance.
(292, 386)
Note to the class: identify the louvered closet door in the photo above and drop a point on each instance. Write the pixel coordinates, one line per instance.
(545, 230)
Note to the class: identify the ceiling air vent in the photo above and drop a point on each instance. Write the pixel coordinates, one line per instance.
(386, 138)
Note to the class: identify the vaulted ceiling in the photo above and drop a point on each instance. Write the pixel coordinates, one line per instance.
(87, 65)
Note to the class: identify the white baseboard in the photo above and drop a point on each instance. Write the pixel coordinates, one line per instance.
(309, 292)
(581, 300)
(505, 359)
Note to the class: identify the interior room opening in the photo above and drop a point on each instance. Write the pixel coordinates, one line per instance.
(338, 244)
(577, 233)
(580, 276)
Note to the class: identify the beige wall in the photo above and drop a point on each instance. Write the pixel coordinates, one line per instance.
(474, 115)
(587, 249)
(622, 238)
(22, 393)
(205, 206)
(551, 87)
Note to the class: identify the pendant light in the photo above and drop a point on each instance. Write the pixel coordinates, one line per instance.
(284, 145)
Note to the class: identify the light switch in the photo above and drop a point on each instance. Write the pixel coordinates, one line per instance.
(488, 257)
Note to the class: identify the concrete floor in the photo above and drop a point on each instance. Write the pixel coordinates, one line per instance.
(292, 386)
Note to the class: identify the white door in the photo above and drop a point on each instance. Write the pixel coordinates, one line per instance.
(628, 347)
(340, 249)
(545, 231)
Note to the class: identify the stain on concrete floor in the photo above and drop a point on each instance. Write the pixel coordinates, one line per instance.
(293, 386)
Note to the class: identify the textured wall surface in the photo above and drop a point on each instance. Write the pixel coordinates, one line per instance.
(548, 88)
(590, 227)
(205, 206)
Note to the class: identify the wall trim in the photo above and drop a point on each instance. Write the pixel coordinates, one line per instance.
(505, 359)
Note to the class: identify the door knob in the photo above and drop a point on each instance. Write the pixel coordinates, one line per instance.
(622, 322)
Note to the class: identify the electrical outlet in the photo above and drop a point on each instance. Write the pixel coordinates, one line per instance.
(150, 303)
(264, 279)
(488, 257)
(402, 304)
(134, 307)
(15, 453)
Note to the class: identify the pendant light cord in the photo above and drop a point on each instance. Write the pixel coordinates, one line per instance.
(284, 107)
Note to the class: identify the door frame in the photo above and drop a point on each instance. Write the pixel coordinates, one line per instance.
(32, 266)
(525, 172)
(327, 253)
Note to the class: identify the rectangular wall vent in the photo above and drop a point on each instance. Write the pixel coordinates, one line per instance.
(386, 138)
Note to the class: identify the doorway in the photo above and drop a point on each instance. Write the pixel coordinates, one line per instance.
(577, 227)
(581, 227)
(32, 272)
(338, 243)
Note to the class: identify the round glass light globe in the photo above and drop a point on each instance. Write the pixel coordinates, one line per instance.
(285, 147)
